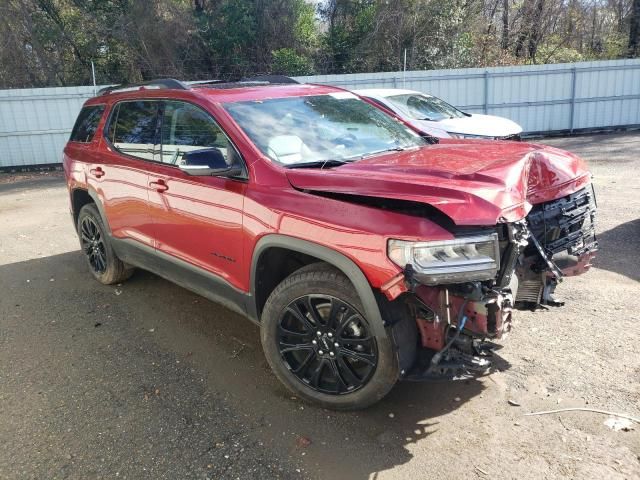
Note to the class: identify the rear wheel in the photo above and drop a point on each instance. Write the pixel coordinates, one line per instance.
(320, 344)
(102, 260)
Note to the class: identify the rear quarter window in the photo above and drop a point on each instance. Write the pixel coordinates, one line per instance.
(86, 124)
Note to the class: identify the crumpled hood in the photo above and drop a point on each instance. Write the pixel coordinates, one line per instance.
(472, 182)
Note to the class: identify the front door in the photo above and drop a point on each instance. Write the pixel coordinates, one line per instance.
(197, 219)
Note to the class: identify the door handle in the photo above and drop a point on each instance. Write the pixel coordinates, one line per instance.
(159, 186)
(97, 172)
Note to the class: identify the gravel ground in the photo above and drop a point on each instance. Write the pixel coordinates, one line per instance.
(147, 380)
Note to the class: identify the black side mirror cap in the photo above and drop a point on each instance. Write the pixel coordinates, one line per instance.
(430, 139)
(208, 162)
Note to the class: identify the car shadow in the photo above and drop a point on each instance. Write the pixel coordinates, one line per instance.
(224, 350)
(619, 250)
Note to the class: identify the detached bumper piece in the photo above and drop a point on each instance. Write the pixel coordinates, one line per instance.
(455, 364)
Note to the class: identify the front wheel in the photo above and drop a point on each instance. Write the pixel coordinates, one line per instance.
(102, 260)
(321, 346)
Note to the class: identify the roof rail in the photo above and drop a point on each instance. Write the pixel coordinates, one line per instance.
(168, 83)
(269, 79)
(197, 83)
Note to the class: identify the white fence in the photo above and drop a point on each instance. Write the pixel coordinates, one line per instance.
(35, 123)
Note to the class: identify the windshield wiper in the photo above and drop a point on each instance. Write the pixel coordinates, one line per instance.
(319, 164)
(378, 152)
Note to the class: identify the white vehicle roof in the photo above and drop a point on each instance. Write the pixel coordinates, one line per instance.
(385, 92)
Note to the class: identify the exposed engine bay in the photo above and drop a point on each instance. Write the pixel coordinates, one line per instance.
(457, 322)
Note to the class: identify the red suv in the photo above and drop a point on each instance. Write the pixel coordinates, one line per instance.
(366, 252)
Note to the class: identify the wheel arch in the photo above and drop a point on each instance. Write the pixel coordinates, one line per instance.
(81, 197)
(319, 253)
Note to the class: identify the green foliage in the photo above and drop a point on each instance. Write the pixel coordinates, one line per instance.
(614, 46)
(306, 27)
(350, 21)
(558, 53)
(287, 62)
(229, 31)
(54, 42)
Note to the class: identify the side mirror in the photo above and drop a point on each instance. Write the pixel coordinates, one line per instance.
(208, 162)
(430, 139)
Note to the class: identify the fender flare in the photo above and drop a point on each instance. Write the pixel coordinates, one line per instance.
(338, 260)
(93, 194)
(98, 203)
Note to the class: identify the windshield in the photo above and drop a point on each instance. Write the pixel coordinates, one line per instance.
(320, 128)
(423, 107)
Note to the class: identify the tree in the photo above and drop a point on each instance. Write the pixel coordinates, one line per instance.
(504, 43)
(348, 22)
(54, 42)
(634, 30)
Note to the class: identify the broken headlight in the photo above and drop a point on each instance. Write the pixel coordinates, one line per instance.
(463, 259)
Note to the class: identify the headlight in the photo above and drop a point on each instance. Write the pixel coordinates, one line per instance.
(460, 260)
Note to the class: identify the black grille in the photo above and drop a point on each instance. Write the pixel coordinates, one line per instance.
(566, 223)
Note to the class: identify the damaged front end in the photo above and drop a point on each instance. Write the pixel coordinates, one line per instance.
(462, 294)
(517, 218)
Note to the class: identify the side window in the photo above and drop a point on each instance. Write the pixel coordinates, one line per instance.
(133, 128)
(185, 128)
(86, 124)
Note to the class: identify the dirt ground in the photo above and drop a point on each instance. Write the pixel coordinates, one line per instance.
(147, 380)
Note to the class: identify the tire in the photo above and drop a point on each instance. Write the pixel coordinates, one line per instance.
(102, 260)
(287, 340)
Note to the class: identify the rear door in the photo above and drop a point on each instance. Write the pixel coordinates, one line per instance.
(129, 145)
(197, 219)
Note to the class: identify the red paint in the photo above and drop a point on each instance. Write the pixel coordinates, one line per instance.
(433, 331)
(474, 183)
(395, 287)
(214, 222)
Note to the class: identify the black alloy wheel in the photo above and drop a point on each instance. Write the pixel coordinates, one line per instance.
(321, 345)
(326, 344)
(93, 245)
(102, 260)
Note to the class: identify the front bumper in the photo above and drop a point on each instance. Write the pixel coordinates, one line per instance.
(557, 239)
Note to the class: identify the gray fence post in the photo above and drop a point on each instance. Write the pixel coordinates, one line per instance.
(486, 92)
(574, 75)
